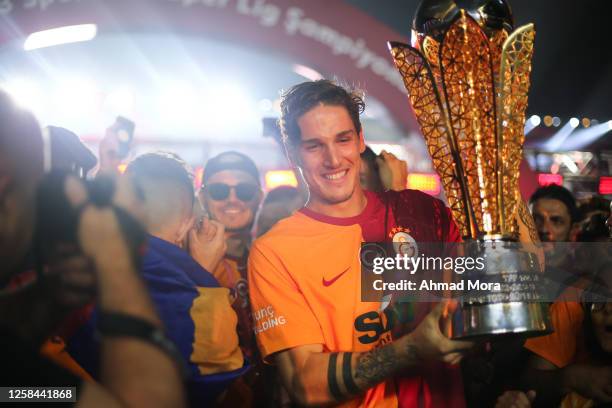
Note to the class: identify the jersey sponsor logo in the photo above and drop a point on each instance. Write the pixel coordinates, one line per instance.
(334, 279)
(403, 242)
(376, 327)
(266, 318)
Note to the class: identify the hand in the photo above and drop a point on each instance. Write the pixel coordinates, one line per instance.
(207, 245)
(109, 153)
(73, 277)
(590, 381)
(393, 171)
(515, 399)
(429, 343)
(99, 233)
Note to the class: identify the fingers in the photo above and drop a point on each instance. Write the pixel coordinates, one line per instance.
(194, 237)
(126, 198)
(444, 308)
(515, 399)
(453, 358)
(531, 395)
(75, 191)
(219, 228)
(76, 280)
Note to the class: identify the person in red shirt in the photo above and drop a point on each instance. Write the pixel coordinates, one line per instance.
(305, 279)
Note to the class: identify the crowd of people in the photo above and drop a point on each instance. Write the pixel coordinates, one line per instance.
(140, 290)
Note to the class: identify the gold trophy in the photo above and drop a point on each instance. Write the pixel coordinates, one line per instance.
(467, 77)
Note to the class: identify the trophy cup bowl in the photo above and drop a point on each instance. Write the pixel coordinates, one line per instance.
(467, 78)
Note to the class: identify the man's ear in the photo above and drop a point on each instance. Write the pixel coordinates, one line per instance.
(184, 229)
(362, 145)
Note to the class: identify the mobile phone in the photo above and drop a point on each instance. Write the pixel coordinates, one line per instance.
(124, 128)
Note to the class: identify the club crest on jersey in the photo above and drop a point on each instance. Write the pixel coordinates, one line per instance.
(403, 242)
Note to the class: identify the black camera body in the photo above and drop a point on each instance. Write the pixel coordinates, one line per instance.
(57, 220)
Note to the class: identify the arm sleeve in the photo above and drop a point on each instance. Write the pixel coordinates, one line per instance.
(282, 317)
(560, 346)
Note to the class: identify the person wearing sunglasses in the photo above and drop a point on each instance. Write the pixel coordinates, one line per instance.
(231, 194)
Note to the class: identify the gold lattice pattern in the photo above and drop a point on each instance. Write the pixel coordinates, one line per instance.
(427, 107)
(469, 94)
(512, 105)
(467, 77)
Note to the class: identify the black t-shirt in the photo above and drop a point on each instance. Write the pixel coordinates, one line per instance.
(21, 365)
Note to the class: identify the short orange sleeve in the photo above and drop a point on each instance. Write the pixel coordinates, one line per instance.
(560, 347)
(282, 318)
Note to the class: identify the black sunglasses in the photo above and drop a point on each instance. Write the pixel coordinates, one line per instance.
(221, 191)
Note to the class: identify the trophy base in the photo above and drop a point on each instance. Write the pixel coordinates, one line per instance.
(486, 320)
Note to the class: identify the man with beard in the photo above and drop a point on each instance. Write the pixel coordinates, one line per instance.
(554, 367)
(555, 214)
(231, 194)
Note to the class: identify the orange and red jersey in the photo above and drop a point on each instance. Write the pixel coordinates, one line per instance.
(305, 288)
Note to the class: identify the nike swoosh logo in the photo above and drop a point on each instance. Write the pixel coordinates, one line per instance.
(331, 281)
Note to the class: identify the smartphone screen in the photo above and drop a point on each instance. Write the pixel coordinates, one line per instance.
(125, 133)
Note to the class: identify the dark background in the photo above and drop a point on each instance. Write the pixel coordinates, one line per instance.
(572, 65)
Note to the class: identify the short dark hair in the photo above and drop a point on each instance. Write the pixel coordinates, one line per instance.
(556, 192)
(301, 98)
(281, 194)
(162, 166)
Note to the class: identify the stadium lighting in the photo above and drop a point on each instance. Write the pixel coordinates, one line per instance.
(533, 122)
(584, 137)
(276, 178)
(605, 185)
(77, 95)
(26, 94)
(545, 179)
(557, 140)
(60, 35)
(178, 101)
(120, 101)
(574, 122)
(427, 183)
(224, 100)
(307, 72)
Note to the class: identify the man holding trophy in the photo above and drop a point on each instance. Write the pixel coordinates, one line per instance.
(467, 79)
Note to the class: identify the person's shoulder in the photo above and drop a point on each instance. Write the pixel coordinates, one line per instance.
(417, 196)
(295, 226)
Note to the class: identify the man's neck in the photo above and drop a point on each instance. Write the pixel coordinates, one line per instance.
(165, 236)
(349, 208)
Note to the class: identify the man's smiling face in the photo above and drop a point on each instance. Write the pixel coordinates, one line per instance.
(329, 154)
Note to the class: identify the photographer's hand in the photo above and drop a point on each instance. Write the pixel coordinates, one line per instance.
(73, 277)
(133, 372)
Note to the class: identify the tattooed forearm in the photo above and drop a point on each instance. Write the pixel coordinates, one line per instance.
(347, 378)
(376, 365)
